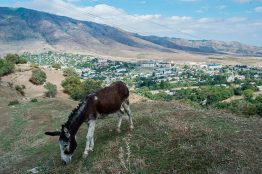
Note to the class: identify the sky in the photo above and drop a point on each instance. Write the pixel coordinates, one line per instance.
(225, 20)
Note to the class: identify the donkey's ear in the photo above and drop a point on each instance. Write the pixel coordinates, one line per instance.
(56, 133)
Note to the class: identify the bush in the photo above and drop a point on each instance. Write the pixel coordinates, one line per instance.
(248, 85)
(14, 102)
(237, 91)
(249, 109)
(34, 100)
(248, 94)
(38, 77)
(70, 72)
(56, 66)
(259, 108)
(6, 67)
(71, 84)
(20, 89)
(77, 89)
(51, 90)
(90, 86)
(15, 59)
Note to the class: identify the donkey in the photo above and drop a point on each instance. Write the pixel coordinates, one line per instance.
(111, 99)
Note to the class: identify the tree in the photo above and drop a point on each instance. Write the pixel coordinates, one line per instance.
(77, 89)
(38, 77)
(70, 72)
(90, 86)
(248, 94)
(71, 83)
(51, 90)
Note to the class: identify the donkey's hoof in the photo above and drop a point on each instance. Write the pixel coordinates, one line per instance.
(85, 154)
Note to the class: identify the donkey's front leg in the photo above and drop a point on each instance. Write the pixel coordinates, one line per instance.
(90, 137)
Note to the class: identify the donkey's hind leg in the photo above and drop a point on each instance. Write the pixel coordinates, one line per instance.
(129, 113)
(90, 137)
(120, 117)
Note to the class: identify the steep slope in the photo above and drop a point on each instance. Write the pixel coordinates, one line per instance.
(29, 27)
(29, 30)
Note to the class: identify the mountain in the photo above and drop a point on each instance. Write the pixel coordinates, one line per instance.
(30, 30)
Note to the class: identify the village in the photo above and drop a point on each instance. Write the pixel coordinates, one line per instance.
(186, 75)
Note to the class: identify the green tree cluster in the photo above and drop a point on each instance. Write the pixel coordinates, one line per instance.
(15, 59)
(212, 95)
(77, 89)
(246, 107)
(7, 64)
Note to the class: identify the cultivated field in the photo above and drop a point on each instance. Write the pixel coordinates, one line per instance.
(169, 137)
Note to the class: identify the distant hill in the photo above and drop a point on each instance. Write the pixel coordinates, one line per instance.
(30, 30)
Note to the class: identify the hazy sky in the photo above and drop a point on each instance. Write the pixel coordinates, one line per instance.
(228, 20)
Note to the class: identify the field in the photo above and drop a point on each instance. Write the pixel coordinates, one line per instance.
(169, 137)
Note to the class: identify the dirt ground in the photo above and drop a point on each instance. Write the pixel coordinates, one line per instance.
(23, 74)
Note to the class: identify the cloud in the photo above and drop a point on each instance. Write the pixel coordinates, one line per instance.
(221, 7)
(189, 0)
(142, 2)
(258, 9)
(242, 1)
(234, 28)
(246, 1)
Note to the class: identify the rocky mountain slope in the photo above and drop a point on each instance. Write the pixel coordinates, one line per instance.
(29, 30)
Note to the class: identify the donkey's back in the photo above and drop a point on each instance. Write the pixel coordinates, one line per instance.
(110, 99)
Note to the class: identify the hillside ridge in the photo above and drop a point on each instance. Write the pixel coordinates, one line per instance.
(30, 30)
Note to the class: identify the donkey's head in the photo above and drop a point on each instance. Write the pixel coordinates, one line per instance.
(67, 143)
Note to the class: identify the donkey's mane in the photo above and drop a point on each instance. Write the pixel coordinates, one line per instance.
(73, 113)
(77, 112)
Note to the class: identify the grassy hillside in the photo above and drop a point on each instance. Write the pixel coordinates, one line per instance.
(168, 138)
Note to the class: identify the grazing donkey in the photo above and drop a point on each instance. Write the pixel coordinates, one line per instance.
(108, 100)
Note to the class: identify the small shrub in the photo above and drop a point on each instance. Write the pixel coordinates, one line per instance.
(14, 102)
(56, 66)
(34, 100)
(249, 109)
(237, 91)
(20, 89)
(38, 77)
(34, 65)
(70, 72)
(248, 94)
(51, 90)
(10, 84)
